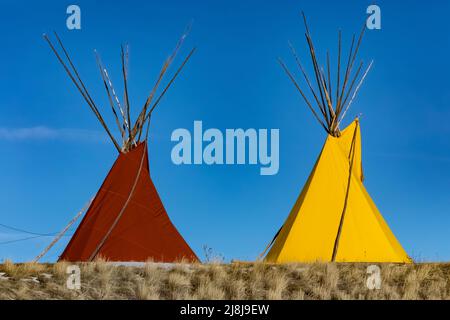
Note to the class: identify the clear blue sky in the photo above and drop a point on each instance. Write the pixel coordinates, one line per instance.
(54, 154)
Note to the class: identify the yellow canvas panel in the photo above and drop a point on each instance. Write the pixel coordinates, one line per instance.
(376, 242)
(310, 231)
(345, 143)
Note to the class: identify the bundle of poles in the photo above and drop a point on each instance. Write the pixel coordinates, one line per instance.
(130, 133)
(330, 106)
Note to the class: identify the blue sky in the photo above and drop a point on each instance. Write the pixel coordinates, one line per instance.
(55, 155)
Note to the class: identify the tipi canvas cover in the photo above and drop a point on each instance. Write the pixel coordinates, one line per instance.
(126, 221)
(334, 218)
(121, 225)
(334, 214)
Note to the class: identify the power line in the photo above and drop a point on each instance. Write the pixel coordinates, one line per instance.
(22, 239)
(26, 231)
(27, 238)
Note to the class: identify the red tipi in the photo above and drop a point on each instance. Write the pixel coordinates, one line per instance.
(126, 221)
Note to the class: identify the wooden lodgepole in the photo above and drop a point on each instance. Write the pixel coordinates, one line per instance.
(59, 235)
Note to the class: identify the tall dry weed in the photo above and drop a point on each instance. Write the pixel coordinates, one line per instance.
(103, 280)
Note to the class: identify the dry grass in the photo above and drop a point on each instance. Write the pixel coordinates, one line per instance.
(101, 280)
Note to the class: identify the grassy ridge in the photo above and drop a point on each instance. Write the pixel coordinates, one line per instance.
(100, 280)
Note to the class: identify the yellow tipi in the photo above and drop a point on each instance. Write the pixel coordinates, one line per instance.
(334, 218)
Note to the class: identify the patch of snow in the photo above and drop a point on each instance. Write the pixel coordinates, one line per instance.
(32, 279)
(163, 265)
(3, 276)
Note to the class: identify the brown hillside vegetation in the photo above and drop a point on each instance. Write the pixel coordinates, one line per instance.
(101, 280)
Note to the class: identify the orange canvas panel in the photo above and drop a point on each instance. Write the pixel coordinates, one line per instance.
(143, 231)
